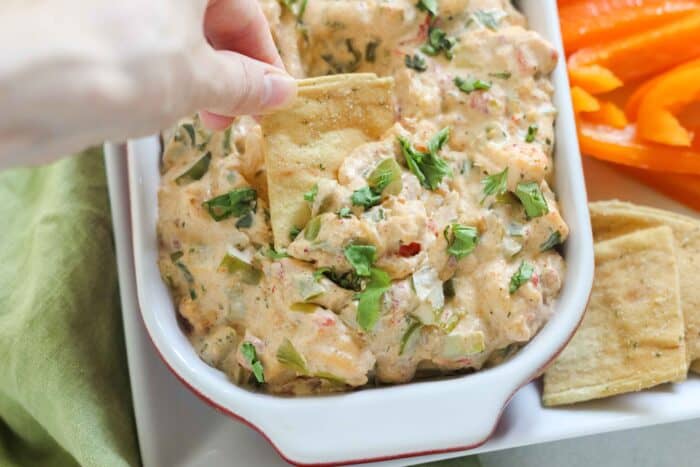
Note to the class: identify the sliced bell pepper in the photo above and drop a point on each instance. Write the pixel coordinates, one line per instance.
(664, 98)
(608, 114)
(645, 53)
(621, 147)
(635, 100)
(583, 101)
(586, 23)
(594, 78)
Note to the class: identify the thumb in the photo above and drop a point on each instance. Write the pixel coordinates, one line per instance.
(234, 84)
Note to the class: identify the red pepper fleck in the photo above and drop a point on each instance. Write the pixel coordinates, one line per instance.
(535, 280)
(423, 30)
(409, 249)
(326, 321)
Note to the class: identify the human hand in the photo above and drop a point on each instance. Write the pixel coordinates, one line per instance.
(83, 73)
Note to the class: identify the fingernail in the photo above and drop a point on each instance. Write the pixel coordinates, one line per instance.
(280, 90)
(214, 121)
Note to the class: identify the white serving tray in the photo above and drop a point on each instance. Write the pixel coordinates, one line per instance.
(177, 429)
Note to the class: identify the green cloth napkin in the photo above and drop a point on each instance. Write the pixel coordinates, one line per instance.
(64, 387)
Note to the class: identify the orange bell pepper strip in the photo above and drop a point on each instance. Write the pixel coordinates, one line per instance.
(645, 53)
(683, 188)
(608, 114)
(621, 147)
(594, 78)
(583, 101)
(591, 22)
(665, 97)
(596, 111)
(635, 100)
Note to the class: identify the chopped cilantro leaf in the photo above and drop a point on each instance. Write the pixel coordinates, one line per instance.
(195, 172)
(448, 288)
(189, 129)
(273, 254)
(462, 240)
(370, 305)
(296, 8)
(185, 272)
(533, 201)
(245, 220)
(294, 232)
(310, 195)
(415, 62)
(320, 272)
(428, 167)
(438, 41)
(501, 75)
(348, 280)
(496, 184)
(438, 140)
(365, 197)
(371, 51)
(348, 66)
(521, 276)
(227, 141)
(385, 178)
(361, 257)
(531, 133)
(251, 356)
(429, 6)
(471, 85)
(345, 212)
(175, 256)
(553, 240)
(236, 203)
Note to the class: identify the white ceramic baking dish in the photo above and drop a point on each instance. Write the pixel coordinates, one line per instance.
(389, 422)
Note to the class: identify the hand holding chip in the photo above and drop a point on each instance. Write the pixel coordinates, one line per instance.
(76, 74)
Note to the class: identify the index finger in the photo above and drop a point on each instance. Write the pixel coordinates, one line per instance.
(240, 26)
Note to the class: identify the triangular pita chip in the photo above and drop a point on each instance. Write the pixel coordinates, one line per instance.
(631, 336)
(614, 218)
(308, 141)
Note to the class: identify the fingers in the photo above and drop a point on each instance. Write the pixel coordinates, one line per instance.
(214, 121)
(238, 85)
(240, 26)
(244, 81)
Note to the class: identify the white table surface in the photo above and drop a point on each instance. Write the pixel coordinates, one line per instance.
(672, 445)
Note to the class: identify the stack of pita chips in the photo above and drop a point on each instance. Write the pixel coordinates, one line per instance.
(642, 325)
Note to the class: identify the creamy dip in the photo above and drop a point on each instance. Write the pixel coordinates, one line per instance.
(464, 238)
